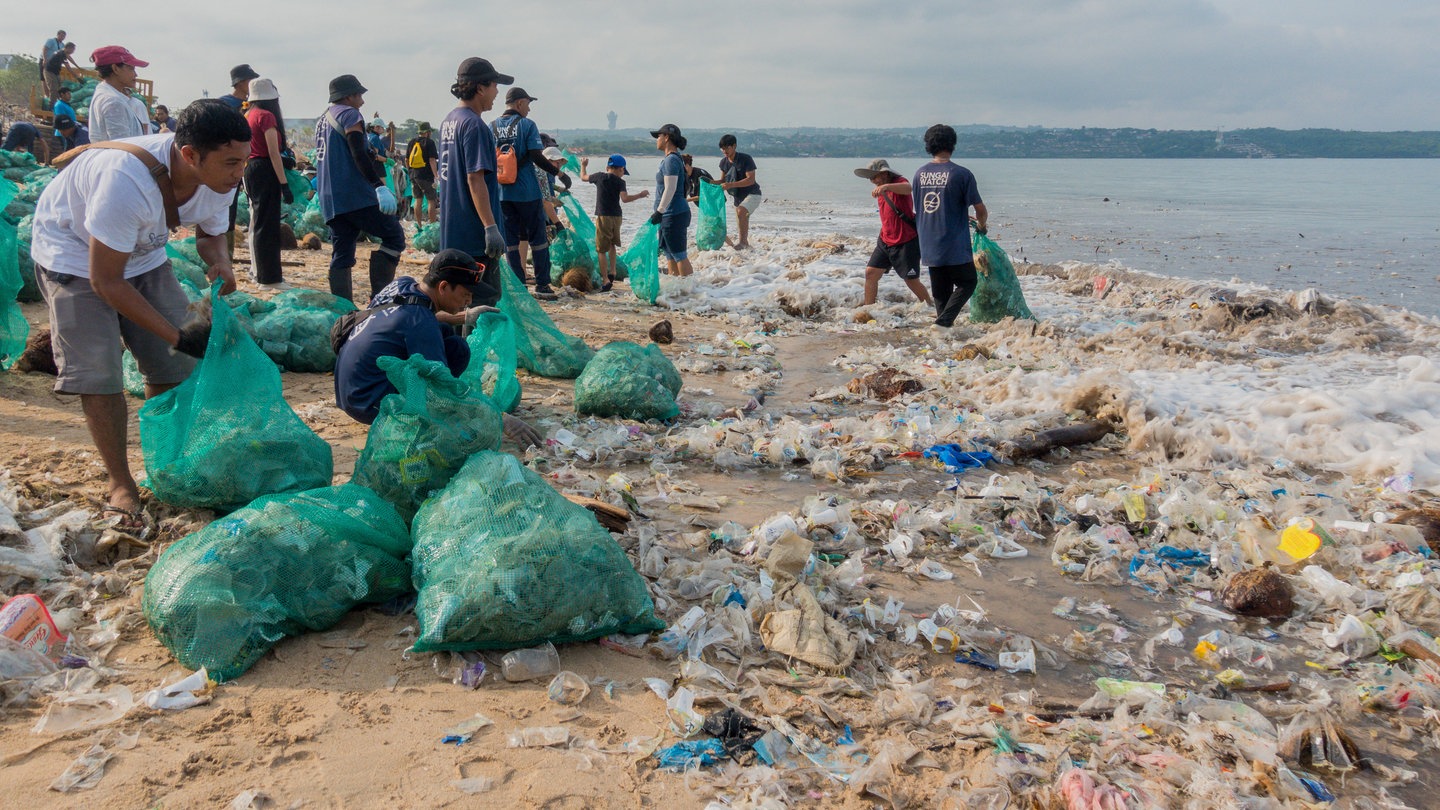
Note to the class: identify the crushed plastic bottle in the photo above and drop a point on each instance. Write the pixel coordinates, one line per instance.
(530, 664)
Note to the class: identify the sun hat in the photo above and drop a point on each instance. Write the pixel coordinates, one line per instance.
(345, 86)
(263, 90)
(876, 167)
(480, 70)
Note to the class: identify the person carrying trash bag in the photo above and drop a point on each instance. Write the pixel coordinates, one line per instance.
(898, 245)
(947, 191)
(99, 238)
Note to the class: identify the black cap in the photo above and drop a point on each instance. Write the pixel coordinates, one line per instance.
(242, 73)
(515, 94)
(345, 86)
(480, 70)
(669, 129)
(456, 267)
(64, 122)
(424, 127)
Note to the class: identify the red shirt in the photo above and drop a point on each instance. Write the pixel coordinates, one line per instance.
(260, 122)
(893, 229)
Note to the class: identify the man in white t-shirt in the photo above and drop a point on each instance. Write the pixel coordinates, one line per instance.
(99, 249)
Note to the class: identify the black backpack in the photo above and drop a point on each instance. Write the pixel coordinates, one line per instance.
(345, 327)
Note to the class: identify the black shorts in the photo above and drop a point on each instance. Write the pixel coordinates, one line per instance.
(903, 258)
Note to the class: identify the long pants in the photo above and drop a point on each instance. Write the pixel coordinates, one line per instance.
(345, 230)
(951, 285)
(263, 189)
(525, 222)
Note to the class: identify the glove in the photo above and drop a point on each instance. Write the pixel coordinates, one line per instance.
(386, 198)
(559, 226)
(194, 337)
(287, 195)
(519, 431)
(473, 314)
(494, 241)
(656, 217)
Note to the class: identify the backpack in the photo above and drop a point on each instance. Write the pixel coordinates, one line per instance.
(417, 155)
(345, 327)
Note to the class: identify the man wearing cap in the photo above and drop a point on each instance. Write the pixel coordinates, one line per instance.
(99, 239)
(71, 133)
(469, 192)
(898, 246)
(114, 112)
(522, 211)
(240, 77)
(353, 196)
(609, 193)
(422, 158)
(51, 46)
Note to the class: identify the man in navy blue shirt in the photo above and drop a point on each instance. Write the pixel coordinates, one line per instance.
(469, 193)
(944, 193)
(521, 201)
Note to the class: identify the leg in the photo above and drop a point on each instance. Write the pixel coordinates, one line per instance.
(264, 190)
(106, 416)
(511, 217)
(941, 285)
(416, 212)
(343, 235)
(684, 268)
(386, 258)
(872, 285)
(919, 289)
(742, 225)
(532, 222)
(965, 280)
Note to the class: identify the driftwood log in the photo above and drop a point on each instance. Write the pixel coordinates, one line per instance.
(1048, 440)
(613, 518)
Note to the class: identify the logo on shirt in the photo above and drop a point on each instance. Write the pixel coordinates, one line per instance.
(930, 202)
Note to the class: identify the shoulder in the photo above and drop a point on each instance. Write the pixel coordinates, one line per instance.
(347, 116)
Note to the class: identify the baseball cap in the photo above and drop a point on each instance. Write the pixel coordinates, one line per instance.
(456, 267)
(63, 122)
(618, 161)
(875, 167)
(345, 86)
(515, 94)
(553, 153)
(263, 90)
(669, 129)
(242, 73)
(115, 55)
(480, 70)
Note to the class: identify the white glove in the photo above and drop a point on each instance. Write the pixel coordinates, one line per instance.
(519, 431)
(386, 198)
(473, 314)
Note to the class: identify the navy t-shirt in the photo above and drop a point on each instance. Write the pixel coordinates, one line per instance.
(466, 147)
(519, 131)
(607, 194)
(674, 165)
(736, 171)
(342, 188)
(943, 194)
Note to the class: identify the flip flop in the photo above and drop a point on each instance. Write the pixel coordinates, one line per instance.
(136, 523)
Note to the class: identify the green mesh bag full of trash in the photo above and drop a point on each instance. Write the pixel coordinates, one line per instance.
(540, 346)
(997, 291)
(424, 432)
(643, 261)
(284, 565)
(295, 330)
(502, 560)
(581, 234)
(185, 262)
(226, 435)
(493, 361)
(14, 329)
(568, 252)
(710, 232)
(628, 381)
(427, 238)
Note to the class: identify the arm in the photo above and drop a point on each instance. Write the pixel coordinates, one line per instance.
(981, 215)
(360, 156)
(538, 159)
(626, 196)
(747, 180)
(584, 170)
(480, 195)
(272, 142)
(107, 119)
(671, 182)
(107, 278)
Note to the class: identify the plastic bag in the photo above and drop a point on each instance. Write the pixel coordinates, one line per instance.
(14, 329)
(295, 329)
(427, 238)
(540, 346)
(424, 432)
(226, 435)
(642, 261)
(222, 597)
(630, 382)
(997, 293)
(710, 233)
(492, 360)
(502, 560)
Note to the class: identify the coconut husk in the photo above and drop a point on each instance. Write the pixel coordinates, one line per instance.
(39, 355)
(287, 237)
(577, 278)
(862, 316)
(1261, 593)
(1427, 520)
(310, 242)
(970, 351)
(884, 385)
(662, 333)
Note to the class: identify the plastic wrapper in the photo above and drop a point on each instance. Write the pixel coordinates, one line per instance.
(997, 292)
(642, 262)
(710, 232)
(628, 381)
(493, 360)
(540, 346)
(502, 560)
(226, 435)
(222, 597)
(424, 432)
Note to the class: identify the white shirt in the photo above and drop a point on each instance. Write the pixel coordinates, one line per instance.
(107, 194)
(115, 115)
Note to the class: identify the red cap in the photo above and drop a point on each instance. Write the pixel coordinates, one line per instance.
(116, 55)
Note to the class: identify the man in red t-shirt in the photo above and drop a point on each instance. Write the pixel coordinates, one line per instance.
(898, 247)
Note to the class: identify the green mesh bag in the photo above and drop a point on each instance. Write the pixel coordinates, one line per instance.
(294, 330)
(568, 252)
(997, 291)
(582, 234)
(622, 270)
(424, 432)
(242, 209)
(540, 346)
(185, 262)
(492, 360)
(286, 564)
(642, 261)
(630, 382)
(226, 436)
(29, 290)
(502, 560)
(14, 330)
(134, 381)
(427, 238)
(710, 232)
(300, 191)
(572, 163)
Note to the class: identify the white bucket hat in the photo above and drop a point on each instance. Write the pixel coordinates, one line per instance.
(263, 90)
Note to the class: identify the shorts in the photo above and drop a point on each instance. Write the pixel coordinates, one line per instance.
(750, 203)
(674, 233)
(87, 334)
(524, 222)
(903, 258)
(424, 188)
(607, 233)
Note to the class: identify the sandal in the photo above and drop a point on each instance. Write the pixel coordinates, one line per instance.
(607, 286)
(136, 523)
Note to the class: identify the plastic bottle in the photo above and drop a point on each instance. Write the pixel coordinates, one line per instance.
(530, 664)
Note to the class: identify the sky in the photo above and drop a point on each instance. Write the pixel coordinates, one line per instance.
(747, 64)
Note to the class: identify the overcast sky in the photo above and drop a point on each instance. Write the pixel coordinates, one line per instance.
(753, 64)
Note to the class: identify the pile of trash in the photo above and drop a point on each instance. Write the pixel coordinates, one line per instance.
(31, 178)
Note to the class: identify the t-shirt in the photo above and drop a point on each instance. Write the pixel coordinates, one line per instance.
(692, 183)
(109, 195)
(80, 136)
(168, 125)
(894, 229)
(671, 165)
(377, 143)
(466, 146)
(429, 150)
(115, 115)
(342, 188)
(516, 129)
(736, 171)
(607, 194)
(55, 61)
(52, 45)
(945, 191)
(60, 108)
(261, 121)
(21, 136)
(233, 100)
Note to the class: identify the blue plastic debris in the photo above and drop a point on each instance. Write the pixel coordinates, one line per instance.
(975, 658)
(846, 739)
(957, 458)
(682, 755)
(735, 598)
(1317, 790)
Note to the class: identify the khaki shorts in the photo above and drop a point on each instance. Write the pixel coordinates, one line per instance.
(607, 233)
(750, 203)
(87, 334)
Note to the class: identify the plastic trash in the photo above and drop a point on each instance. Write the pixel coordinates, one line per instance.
(493, 360)
(997, 292)
(691, 753)
(1115, 687)
(568, 689)
(1301, 540)
(680, 708)
(25, 620)
(21, 663)
(530, 664)
(538, 737)
(89, 768)
(85, 710)
(466, 730)
(183, 694)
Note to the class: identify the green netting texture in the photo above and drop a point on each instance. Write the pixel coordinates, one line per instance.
(427, 238)
(540, 346)
(710, 233)
(14, 330)
(286, 564)
(997, 292)
(130, 372)
(424, 432)
(643, 263)
(493, 360)
(226, 435)
(630, 382)
(29, 290)
(502, 560)
(294, 328)
(579, 239)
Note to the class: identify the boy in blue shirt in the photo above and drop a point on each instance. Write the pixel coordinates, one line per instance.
(945, 192)
(609, 193)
